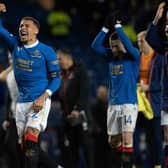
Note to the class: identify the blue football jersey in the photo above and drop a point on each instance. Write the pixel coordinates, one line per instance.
(123, 73)
(36, 67)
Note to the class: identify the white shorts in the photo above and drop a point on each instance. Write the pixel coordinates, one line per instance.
(164, 117)
(26, 117)
(121, 118)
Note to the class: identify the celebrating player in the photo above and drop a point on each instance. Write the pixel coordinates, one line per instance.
(36, 71)
(123, 59)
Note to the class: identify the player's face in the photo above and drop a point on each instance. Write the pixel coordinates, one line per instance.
(63, 60)
(116, 47)
(28, 31)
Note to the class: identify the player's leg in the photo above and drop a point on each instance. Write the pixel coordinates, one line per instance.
(22, 110)
(114, 132)
(128, 125)
(41, 158)
(127, 149)
(164, 123)
(31, 147)
(36, 122)
(20, 125)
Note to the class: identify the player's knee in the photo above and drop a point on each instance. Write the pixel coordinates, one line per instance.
(128, 139)
(114, 141)
(32, 131)
(128, 142)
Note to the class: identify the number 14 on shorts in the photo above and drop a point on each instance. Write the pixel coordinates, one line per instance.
(127, 119)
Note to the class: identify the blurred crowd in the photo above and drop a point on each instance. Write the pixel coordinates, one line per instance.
(73, 24)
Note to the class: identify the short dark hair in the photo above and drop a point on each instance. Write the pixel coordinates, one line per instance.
(114, 36)
(35, 21)
(65, 51)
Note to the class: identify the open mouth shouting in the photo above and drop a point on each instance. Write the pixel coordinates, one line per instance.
(23, 35)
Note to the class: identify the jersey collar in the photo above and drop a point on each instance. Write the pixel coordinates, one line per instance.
(31, 45)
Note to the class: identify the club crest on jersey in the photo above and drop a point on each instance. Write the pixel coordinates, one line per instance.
(36, 54)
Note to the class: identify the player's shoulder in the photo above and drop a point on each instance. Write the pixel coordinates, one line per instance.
(46, 47)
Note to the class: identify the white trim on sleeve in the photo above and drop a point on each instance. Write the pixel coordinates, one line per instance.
(106, 30)
(118, 25)
(49, 92)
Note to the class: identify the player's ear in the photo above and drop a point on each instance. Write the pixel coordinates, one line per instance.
(37, 31)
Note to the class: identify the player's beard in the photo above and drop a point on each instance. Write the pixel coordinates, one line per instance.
(27, 39)
(24, 39)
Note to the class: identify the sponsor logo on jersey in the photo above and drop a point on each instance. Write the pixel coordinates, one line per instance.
(24, 64)
(117, 69)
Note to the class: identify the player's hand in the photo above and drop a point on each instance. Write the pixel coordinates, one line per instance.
(144, 87)
(111, 20)
(2, 7)
(38, 103)
(159, 13)
(5, 125)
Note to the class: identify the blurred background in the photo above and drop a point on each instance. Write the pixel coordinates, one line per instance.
(73, 24)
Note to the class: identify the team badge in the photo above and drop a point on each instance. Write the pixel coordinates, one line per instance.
(36, 54)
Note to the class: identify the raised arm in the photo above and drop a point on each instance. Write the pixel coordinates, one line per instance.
(152, 36)
(97, 43)
(154, 40)
(9, 38)
(156, 69)
(134, 52)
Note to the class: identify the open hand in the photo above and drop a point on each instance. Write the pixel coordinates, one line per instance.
(144, 87)
(159, 13)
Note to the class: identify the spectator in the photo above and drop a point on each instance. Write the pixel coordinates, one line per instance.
(157, 37)
(74, 96)
(100, 138)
